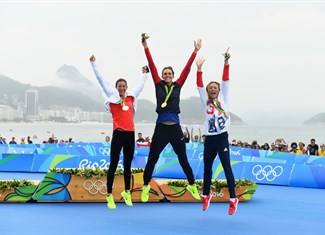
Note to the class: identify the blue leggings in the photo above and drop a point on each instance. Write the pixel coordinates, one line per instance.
(163, 135)
(213, 145)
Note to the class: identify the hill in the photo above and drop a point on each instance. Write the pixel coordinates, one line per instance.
(318, 119)
(13, 93)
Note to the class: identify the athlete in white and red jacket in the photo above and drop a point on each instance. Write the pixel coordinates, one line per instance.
(122, 105)
(214, 98)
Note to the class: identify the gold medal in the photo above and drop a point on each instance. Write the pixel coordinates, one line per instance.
(163, 105)
(144, 37)
(125, 108)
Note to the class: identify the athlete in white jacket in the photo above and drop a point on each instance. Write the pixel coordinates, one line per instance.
(217, 120)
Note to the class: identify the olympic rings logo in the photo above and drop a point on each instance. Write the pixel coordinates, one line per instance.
(104, 151)
(268, 172)
(95, 187)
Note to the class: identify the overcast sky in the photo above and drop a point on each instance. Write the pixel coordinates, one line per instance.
(277, 48)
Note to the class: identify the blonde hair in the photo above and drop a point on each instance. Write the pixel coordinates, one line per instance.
(210, 100)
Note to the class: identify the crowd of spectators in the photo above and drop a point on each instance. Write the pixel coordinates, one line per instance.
(280, 145)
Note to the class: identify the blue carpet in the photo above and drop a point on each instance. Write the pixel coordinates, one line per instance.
(273, 210)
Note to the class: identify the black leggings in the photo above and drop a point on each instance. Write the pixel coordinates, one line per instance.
(213, 145)
(126, 140)
(163, 135)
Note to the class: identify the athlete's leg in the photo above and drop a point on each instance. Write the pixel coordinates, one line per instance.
(128, 152)
(159, 142)
(116, 146)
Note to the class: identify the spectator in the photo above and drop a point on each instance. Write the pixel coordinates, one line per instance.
(147, 140)
(276, 148)
(302, 148)
(196, 138)
(294, 148)
(312, 148)
(233, 142)
(107, 139)
(272, 147)
(140, 138)
(203, 139)
(22, 140)
(13, 141)
(3, 140)
(284, 148)
(29, 141)
(321, 152)
(239, 143)
(266, 146)
(186, 135)
(253, 144)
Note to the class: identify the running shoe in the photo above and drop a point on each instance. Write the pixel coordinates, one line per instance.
(127, 198)
(193, 191)
(110, 202)
(233, 207)
(206, 201)
(145, 193)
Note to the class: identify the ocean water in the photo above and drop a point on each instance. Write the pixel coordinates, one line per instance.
(96, 132)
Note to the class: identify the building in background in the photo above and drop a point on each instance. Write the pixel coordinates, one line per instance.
(32, 105)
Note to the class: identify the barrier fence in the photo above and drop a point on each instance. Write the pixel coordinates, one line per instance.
(265, 167)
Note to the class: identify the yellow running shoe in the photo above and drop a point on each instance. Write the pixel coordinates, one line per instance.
(145, 193)
(193, 191)
(127, 198)
(110, 202)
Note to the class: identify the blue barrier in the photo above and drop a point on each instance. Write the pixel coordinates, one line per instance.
(265, 167)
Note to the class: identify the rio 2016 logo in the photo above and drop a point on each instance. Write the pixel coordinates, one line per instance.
(86, 163)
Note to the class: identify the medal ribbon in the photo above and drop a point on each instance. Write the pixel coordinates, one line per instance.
(122, 101)
(216, 106)
(168, 92)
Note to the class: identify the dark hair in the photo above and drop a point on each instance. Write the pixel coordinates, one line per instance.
(168, 67)
(294, 145)
(120, 80)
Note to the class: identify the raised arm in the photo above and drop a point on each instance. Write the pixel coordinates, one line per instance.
(225, 78)
(152, 66)
(182, 78)
(199, 63)
(138, 89)
(199, 81)
(106, 86)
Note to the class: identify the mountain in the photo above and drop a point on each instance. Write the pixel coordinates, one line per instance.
(70, 78)
(318, 119)
(13, 93)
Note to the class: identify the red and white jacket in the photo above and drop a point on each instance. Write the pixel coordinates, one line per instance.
(216, 122)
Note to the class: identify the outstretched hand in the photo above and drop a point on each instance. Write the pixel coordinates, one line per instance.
(199, 62)
(145, 69)
(226, 55)
(197, 45)
(144, 38)
(92, 58)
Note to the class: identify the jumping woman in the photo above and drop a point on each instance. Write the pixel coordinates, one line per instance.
(122, 105)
